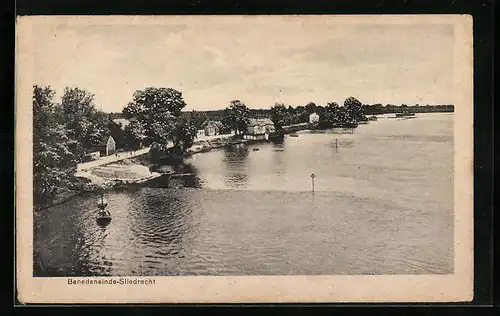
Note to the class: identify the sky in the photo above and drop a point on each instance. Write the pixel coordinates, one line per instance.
(257, 60)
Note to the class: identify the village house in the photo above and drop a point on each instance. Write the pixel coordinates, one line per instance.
(106, 147)
(200, 133)
(313, 118)
(259, 128)
(213, 128)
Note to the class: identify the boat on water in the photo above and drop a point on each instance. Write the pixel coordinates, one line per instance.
(372, 118)
(103, 217)
(294, 135)
(255, 149)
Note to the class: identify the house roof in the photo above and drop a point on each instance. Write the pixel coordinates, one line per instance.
(104, 141)
(217, 124)
(260, 121)
(202, 125)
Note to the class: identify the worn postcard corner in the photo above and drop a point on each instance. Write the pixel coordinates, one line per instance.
(239, 159)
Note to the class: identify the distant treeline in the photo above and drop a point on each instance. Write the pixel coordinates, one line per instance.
(375, 109)
(368, 109)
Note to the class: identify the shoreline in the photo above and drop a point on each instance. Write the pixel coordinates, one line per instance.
(88, 182)
(202, 146)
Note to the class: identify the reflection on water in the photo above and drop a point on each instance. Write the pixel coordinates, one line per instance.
(235, 166)
(383, 205)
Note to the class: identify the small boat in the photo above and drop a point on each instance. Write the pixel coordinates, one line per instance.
(294, 135)
(255, 149)
(372, 118)
(103, 218)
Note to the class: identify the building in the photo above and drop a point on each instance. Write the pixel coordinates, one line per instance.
(107, 146)
(259, 128)
(313, 118)
(213, 128)
(200, 133)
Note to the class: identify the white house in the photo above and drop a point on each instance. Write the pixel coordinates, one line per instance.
(107, 146)
(313, 118)
(200, 133)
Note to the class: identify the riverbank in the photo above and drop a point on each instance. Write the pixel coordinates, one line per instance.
(123, 172)
(145, 166)
(207, 145)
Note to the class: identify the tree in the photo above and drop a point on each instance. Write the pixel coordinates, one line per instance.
(333, 113)
(353, 108)
(279, 115)
(311, 107)
(320, 110)
(226, 125)
(236, 115)
(196, 118)
(156, 109)
(53, 161)
(116, 131)
(83, 121)
(183, 135)
(134, 135)
(301, 115)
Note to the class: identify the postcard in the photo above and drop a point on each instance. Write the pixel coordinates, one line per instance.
(244, 159)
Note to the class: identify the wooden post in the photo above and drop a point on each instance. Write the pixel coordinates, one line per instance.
(312, 180)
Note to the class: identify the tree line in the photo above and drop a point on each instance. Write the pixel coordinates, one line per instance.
(289, 114)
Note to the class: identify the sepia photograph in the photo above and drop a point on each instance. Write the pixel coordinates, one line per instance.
(244, 158)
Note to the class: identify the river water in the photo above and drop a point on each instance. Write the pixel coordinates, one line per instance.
(383, 204)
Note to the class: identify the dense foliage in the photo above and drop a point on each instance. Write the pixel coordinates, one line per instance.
(84, 123)
(183, 135)
(298, 114)
(279, 115)
(156, 111)
(236, 116)
(54, 159)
